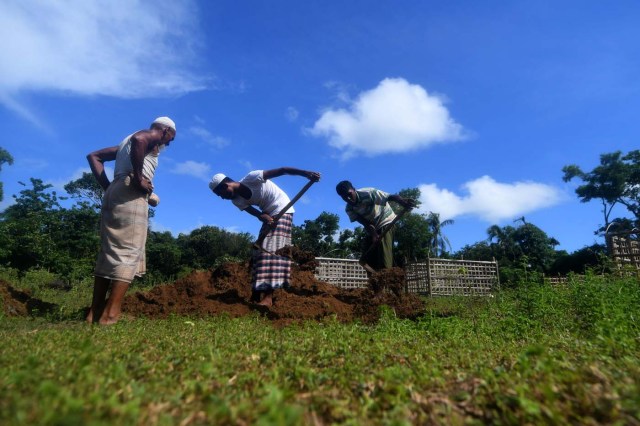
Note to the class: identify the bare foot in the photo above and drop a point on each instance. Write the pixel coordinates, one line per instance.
(267, 300)
(90, 317)
(108, 320)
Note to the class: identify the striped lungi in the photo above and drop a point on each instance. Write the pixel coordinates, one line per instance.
(271, 271)
(123, 232)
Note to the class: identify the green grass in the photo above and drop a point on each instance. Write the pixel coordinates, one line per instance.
(537, 355)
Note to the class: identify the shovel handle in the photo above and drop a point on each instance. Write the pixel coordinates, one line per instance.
(276, 218)
(372, 246)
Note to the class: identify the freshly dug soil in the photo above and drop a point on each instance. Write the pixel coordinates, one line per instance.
(19, 303)
(227, 291)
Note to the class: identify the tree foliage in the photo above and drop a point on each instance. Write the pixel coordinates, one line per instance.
(164, 256)
(317, 236)
(511, 246)
(38, 232)
(592, 257)
(481, 250)
(5, 158)
(86, 188)
(28, 225)
(351, 243)
(616, 180)
(413, 239)
(203, 246)
(439, 242)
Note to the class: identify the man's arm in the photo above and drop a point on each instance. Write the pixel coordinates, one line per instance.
(96, 161)
(368, 227)
(257, 213)
(407, 203)
(140, 142)
(270, 174)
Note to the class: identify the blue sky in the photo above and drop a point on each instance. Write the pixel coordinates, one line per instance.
(478, 104)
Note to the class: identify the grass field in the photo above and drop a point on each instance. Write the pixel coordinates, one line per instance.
(538, 355)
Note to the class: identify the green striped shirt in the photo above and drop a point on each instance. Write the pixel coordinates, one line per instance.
(372, 207)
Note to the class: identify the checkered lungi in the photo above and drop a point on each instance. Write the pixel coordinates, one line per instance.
(271, 271)
(123, 232)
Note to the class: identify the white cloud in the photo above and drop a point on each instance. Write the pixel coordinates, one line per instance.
(198, 170)
(489, 200)
(341, 90)
(394, 117)
(32, 164)
(22, 110)
(121, 48)
(291, 114)
(206, 136)
(246, 164)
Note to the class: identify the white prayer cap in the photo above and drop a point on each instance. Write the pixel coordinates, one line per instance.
(165, 121)
(216, 180)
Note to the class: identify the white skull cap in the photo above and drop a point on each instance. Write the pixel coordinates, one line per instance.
(215, 181)
(165, 121)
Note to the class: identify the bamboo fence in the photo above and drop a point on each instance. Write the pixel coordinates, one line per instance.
(435, 277)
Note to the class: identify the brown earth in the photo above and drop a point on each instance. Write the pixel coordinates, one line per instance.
(19, 303)
(227, 291)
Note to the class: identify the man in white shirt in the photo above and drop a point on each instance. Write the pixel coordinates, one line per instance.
(259, 196)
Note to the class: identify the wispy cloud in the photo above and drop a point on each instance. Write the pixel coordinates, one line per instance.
(489, 200)
(291, 114)
(33, 164)
(104, 47)
(198, 170)
(394, 117)
(207, 137)
(246, 164)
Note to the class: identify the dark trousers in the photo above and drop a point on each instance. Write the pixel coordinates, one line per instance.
(381, 257)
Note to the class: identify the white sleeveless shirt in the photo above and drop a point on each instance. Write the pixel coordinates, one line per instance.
(123, 161)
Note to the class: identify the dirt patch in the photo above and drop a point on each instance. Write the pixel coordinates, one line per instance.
(305, 260)
(19, 303)
(227, 291)
(392, 280)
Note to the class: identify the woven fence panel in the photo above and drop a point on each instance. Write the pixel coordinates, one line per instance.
(446, 277)
(437, 277)
(417, 277)
(625, 251)
(343, 273)
(564, 280)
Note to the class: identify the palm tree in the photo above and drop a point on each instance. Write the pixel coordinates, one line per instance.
(505, 240)
(439, 242)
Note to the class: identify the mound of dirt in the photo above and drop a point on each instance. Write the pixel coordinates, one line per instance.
(19, 303)
(388, 279)
(227, 291)
(305, 260)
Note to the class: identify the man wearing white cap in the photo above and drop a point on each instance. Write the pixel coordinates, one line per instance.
(124, 216)
(270, 271)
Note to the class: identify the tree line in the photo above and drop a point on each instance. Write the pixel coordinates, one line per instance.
(38, 232)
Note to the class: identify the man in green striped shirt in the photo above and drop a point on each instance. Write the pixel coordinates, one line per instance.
(370, 207)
